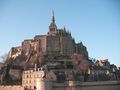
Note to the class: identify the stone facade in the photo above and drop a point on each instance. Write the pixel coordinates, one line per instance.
(31, 79)
(38, 79)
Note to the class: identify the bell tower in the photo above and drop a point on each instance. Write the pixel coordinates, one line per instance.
(52, 26)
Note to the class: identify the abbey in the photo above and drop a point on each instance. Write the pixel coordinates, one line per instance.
(56, 42)
(57, 45)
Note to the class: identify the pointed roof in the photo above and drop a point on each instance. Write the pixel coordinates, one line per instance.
(53, 18)
(53, 21)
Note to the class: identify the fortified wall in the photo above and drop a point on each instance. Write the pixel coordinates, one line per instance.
(104, 85)
(46, 80)
(11, 88)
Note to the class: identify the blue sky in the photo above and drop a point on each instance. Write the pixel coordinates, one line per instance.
(94, 22)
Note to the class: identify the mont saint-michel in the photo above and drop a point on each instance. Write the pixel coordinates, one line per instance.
(56, 62)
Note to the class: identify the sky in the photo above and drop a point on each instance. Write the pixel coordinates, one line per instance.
(94, 22)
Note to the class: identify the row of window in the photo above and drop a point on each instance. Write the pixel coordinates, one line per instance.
(29, 81)
(31, 87)
(32, 76)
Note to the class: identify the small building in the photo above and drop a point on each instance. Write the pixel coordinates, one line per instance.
(33, 79)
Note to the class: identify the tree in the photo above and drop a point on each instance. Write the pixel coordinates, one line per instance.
(3, 58)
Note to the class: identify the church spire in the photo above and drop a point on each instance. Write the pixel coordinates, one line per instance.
(52, 26)
(53, 18)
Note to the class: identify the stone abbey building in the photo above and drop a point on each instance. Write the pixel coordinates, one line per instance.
(56, 42)
(57, 45)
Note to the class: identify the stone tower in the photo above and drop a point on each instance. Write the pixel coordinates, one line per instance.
(52, 26)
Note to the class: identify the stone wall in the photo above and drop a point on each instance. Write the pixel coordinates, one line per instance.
(104, 85)
(71, 85)
(11, 88)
